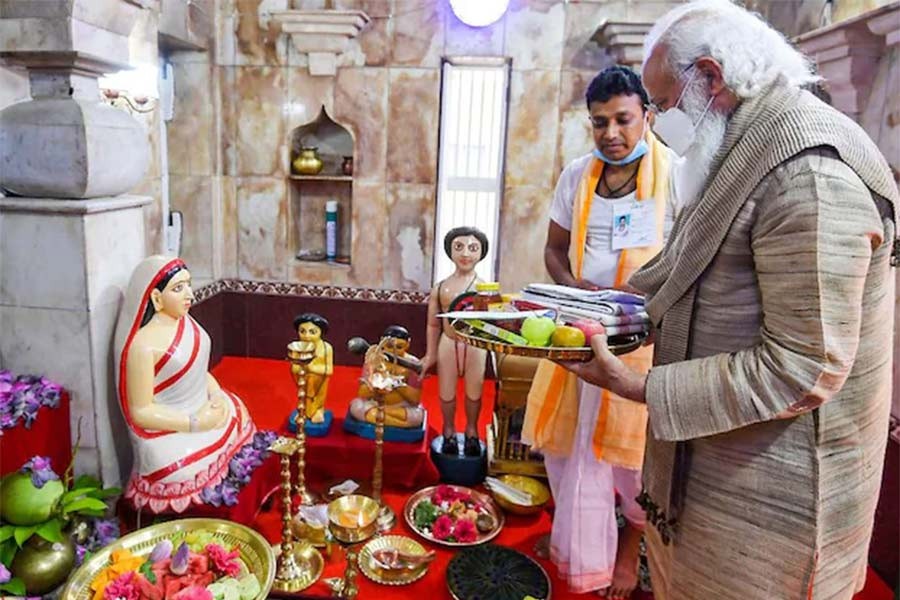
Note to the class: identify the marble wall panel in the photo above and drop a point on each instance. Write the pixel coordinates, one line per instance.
(534, 33)
(533, 127)
(225, 42)
(306, 95)
(192, 195)
(375, 39)
(258, 38)
(315, 273)
(412, 131)
(110, 257)
(229, 218)
(575, 138)
(259, 115)
(262, 228)
(370, 222)
(13, 86)
(228, 118)
(523, 233)
(153, 220)
(361, 105)
(191, 132)
(581, 23)
(417, 39)
(53, 246)
(462, 40)
(408, 260)
(881, 116)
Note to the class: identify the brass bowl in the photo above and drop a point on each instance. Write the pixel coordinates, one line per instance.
(254, 550)
(301, 351)
(374, 571)
(540, 495)
(353, 518)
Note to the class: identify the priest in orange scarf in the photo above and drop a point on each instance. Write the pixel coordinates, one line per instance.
(592, 440)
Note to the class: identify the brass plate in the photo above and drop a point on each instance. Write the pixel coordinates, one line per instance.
(371, 569)
(254, 551)
(620, 344)
(540, 494)
(492, 509)
(307, 558)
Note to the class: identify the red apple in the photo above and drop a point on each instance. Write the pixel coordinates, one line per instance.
(590, 328)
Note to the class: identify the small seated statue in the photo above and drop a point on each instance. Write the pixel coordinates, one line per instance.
(184, 427)
(310, 328)
(402, 406)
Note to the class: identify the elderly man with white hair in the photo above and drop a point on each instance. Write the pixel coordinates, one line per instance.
(773, 304)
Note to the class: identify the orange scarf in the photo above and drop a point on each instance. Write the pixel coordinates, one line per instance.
(551, 417)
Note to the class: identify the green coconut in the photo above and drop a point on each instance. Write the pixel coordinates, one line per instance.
(21, 503)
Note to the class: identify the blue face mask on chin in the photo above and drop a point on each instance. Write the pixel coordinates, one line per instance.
(639, 150)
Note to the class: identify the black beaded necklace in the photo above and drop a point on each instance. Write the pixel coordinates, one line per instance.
(613, 193)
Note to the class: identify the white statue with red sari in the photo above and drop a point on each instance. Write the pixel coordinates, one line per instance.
(184, 427)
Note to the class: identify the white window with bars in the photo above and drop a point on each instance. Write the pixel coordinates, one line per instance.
(474, 103)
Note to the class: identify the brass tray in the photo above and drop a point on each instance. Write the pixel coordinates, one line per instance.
(371, 569)
(307, 558)
(492, 509)
(254, 551)
(620, 344)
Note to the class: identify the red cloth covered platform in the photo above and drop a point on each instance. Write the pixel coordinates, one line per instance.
(269, 392)
(49, 436)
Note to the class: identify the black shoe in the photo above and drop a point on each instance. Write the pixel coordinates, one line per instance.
(450, 446)
(472, 447)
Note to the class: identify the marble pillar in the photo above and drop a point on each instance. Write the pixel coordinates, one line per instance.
(63, 266)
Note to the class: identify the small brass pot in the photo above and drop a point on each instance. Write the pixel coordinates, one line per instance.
(43, 566)
(353, 518)
(308, 161)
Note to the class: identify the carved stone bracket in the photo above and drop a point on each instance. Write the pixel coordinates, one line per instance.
(624, 40)
(847, 54)
(322, 34)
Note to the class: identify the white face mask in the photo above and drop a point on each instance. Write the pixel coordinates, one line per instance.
(675, 127)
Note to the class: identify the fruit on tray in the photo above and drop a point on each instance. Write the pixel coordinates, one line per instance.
(590, 328)
(567, 337)
(538, 330)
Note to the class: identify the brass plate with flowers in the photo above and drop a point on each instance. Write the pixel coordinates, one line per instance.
(453, 515)
(238, 546)
(412, 563)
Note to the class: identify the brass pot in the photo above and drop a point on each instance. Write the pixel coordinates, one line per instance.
(353, 518)
(43, 566)
(308, 161)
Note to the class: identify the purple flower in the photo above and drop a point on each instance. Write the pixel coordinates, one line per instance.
(5, 575)
(41, 473)
(212, 495)
(229, 493)
(80, 552)
(106, 531)
(263, 439)
(26, 407)
(7, 420)
(240, 470)
(49, 394)
(6, 376)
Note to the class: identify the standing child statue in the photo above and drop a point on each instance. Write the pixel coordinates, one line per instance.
(310, 328)
(466, 247)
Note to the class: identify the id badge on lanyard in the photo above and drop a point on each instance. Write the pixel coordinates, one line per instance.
(634, 224)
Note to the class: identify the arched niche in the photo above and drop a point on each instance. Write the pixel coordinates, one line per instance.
(309, 193)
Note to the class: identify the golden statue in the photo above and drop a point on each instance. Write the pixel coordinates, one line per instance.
(402, 405)
(310, 328)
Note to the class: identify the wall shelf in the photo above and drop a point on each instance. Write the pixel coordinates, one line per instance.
(347, 178)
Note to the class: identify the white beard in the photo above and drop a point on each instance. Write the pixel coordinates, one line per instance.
(709, 133)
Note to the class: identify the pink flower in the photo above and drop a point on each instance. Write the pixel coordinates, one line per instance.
(442, 527)
(124, 587)
(464, 531)
(193, 592)
(223, 561)
(445, 493)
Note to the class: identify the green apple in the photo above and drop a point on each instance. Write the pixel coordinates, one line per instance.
(537, 330)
